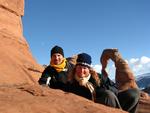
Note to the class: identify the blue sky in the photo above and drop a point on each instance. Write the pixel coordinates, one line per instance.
(89, 26)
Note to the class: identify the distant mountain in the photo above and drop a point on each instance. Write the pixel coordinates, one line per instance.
(143, 81)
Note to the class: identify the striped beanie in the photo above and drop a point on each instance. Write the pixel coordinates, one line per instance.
(84, 59)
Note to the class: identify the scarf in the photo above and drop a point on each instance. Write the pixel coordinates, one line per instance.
(59, 67)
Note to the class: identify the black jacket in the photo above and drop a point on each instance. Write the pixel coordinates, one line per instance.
(105, 84)
(54, 79)
(77, 89)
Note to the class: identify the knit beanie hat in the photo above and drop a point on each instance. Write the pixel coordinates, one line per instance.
(57, 49)
(84, 59)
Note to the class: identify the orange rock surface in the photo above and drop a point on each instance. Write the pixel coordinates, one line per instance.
(19, 72)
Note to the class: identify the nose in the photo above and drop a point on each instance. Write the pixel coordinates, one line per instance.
(81, 70)
(56, 57)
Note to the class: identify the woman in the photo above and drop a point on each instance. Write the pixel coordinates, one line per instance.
(55, 75)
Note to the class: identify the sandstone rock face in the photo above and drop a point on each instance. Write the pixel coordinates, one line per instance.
(15, 6)
(19, 72)
(10, 21)
(33, 99)
(17, 64)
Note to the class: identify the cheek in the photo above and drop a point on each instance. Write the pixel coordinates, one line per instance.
(82, 73)
(78, 71)
(87, 72)
(61, 60)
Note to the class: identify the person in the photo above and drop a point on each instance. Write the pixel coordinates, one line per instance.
(86, 82)
(55, 74)
(83, 80)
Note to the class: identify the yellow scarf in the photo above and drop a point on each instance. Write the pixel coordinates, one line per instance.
(59, 67)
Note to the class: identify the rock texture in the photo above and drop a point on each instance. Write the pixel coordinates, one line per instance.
(17, 64)
(124, 76)
(34, 99)
(19, 72)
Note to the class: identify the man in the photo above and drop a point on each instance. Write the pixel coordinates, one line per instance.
(83, 80)
(55, 75)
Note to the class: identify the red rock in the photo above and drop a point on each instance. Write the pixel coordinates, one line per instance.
(19, 72)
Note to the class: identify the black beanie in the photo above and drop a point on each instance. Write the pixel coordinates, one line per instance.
(84, 59)
(57, 49)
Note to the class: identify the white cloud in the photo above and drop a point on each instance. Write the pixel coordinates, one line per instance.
(137, 65)
(145, 60)
(97, 67)
(140, 65)
(133, 60)
(110, 69)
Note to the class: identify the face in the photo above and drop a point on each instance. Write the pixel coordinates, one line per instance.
(82, 71)
(57, 58)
